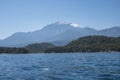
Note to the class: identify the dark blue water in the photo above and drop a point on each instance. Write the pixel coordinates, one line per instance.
(85, 66)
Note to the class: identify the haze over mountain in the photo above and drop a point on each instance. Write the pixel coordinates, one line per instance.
(58, 33)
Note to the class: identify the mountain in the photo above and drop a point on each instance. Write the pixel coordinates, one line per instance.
(75, 33)
(89, 44)
(50, 33)
(58, 33)
(38, 47)
(114, 31)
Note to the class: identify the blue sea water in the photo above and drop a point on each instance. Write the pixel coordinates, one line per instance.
(60, 66)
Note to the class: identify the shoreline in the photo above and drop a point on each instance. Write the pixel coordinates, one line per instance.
(67, 53)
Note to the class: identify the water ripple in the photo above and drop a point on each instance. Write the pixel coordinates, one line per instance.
(89, 66)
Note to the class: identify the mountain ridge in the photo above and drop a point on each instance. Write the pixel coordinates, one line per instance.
(56, 32)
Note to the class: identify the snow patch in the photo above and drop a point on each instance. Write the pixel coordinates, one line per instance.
(74, 25)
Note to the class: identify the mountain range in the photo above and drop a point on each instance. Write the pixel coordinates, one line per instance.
(58, 33)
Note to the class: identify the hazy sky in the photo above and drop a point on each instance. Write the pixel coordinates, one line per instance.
(30, 15)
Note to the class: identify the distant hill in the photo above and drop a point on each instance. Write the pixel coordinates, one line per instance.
(58, 33)
(38, 47)
(90, 44)
(31, 48)
(82, 44)
(112, 32)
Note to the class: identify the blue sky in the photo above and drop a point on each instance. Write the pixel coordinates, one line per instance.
(30, 15)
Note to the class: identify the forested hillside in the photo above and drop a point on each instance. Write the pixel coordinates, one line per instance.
(90, 44)
(12, 50)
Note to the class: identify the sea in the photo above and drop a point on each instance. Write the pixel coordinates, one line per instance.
(60, 66)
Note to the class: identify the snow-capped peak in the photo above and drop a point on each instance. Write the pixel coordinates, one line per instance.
(61, 22)
(66, 23)
(74, 25)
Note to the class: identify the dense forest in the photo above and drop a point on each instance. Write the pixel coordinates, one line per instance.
(90, 44)
(12, 50)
